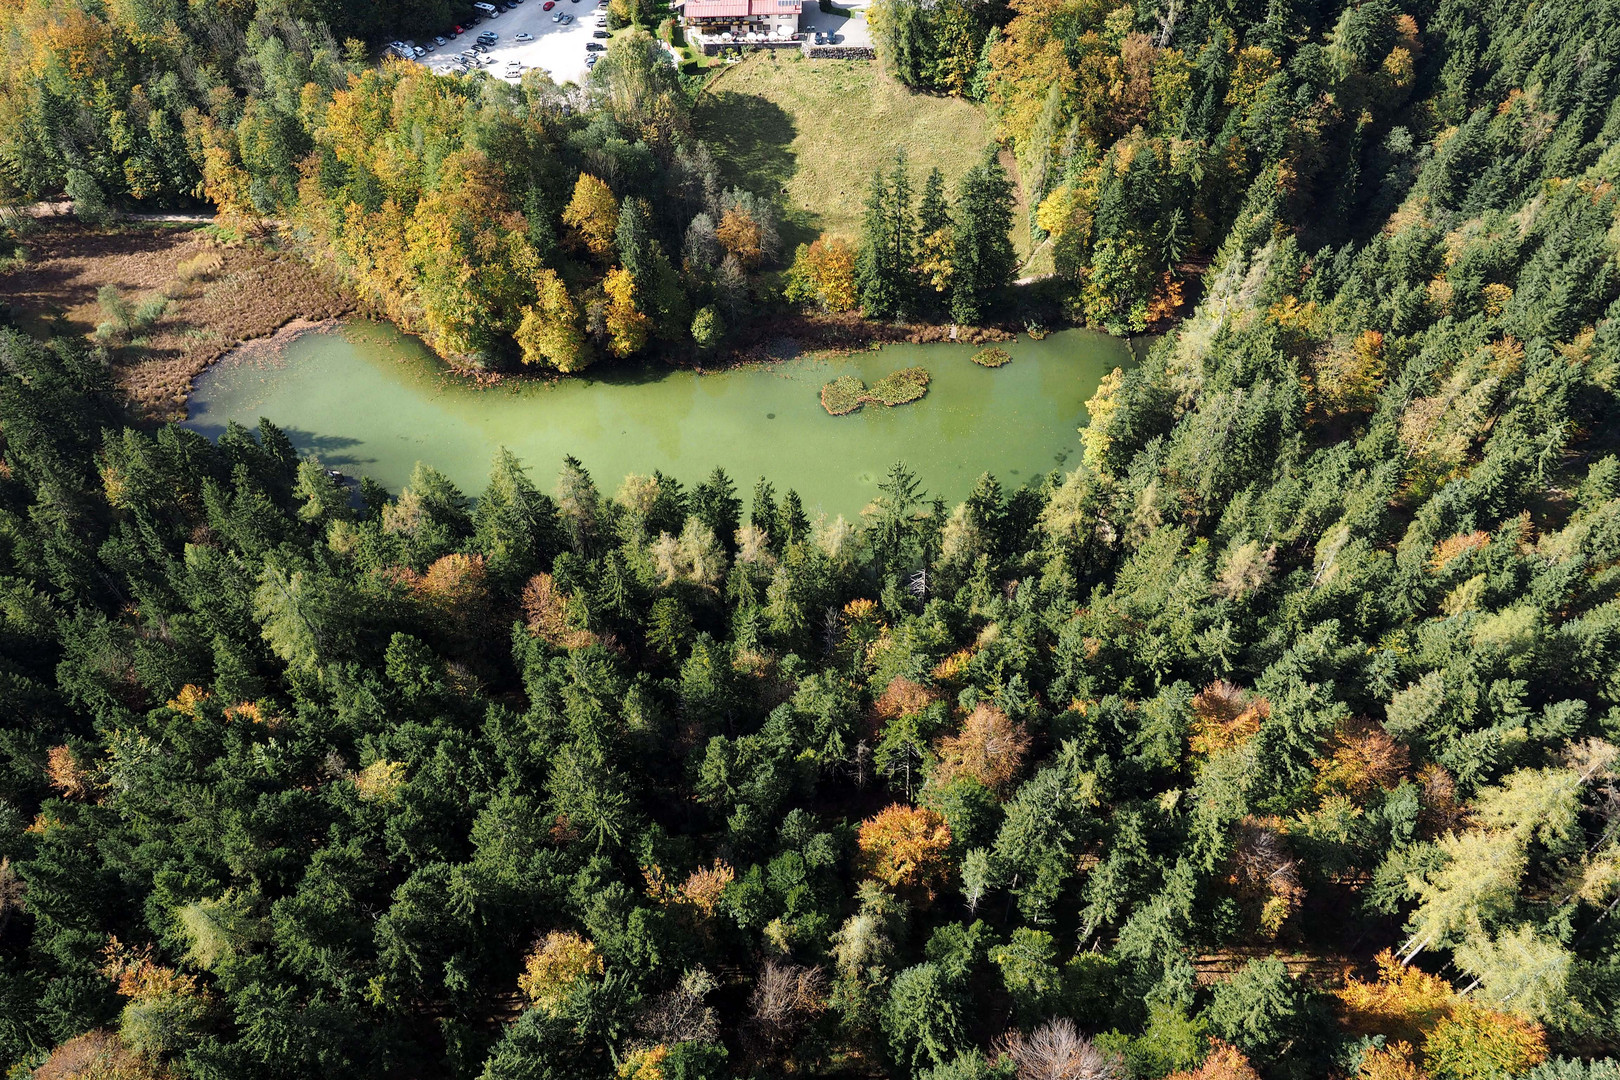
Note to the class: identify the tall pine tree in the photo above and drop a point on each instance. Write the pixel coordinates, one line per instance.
(884, 269)
(984, 261)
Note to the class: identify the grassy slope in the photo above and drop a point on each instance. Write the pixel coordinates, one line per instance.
(815, 130)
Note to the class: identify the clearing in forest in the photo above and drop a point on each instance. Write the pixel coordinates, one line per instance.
(813, 131)
(201, 298)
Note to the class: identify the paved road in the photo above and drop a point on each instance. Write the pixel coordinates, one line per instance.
(844, 31)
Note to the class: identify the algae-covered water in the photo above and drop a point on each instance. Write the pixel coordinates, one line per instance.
(369, 400)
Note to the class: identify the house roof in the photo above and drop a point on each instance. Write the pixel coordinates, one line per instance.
(737, 9)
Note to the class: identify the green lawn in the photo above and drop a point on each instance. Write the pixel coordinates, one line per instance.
(815, 129)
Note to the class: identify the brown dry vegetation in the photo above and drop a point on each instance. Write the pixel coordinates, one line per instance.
(256, 290)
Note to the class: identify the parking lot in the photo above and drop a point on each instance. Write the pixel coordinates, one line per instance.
(557, 49)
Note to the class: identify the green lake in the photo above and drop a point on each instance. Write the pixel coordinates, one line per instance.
(371, 401)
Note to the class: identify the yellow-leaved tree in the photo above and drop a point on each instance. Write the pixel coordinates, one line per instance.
(556, 966)
(627, 327)
(823, 273)
(550, 332)
(593, 214)
(904, 848)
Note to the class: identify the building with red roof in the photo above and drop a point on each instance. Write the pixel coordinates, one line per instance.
(770, 18)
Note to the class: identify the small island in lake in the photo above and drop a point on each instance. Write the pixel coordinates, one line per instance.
(847, 393)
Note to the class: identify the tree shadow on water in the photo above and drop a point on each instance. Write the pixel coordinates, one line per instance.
(331, 449)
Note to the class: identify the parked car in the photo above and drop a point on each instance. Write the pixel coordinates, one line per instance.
(590, 61)
(600, 34)
(548, 5)
(482, 48)
(595, 46)
(524, 37)
(566, 19)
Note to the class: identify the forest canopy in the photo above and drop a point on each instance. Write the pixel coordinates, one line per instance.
(1279, 738)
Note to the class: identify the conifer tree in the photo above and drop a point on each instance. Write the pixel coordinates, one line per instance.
(984, 259)
(883, 269)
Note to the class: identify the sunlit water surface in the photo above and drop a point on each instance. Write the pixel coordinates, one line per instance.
(369, 400)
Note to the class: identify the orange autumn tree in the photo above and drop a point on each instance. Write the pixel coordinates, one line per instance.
(1453, 1036)
(546, 615)
(1364, 759)
(903, 697)
(1225, 716)
(456, 590)
(742, 236)
(64, 773)
(1225, 1062)
(990, 748)
(904, 848)
(699, 895)
(823, 273)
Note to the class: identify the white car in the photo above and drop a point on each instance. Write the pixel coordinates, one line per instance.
(524, 37)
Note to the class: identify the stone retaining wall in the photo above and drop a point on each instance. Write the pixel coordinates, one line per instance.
(711, 47)
(840, 52)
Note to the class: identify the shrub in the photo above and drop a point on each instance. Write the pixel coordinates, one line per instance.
(203, 264)
(150, 311)
(843, 395)
(89, 202)
(120, 314)
(708, 328)
(900, 387)
(992, 357)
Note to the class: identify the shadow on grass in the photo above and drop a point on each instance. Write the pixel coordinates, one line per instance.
(750, 136)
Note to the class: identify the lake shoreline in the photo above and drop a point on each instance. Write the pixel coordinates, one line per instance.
(763, 343)
(218, 296)
(753, 420)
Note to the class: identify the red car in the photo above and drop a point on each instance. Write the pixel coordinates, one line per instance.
(548, 5)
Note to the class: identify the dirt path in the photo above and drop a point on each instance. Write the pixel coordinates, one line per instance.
(64, 209)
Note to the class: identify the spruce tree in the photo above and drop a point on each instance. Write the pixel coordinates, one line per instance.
(984, 259)
(884, 275)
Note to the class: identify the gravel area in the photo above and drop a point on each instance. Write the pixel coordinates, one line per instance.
(557, 49)
(839, 30)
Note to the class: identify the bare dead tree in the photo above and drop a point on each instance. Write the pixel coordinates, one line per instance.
(1057, 1051)
(681, 1014)
(785, 999)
